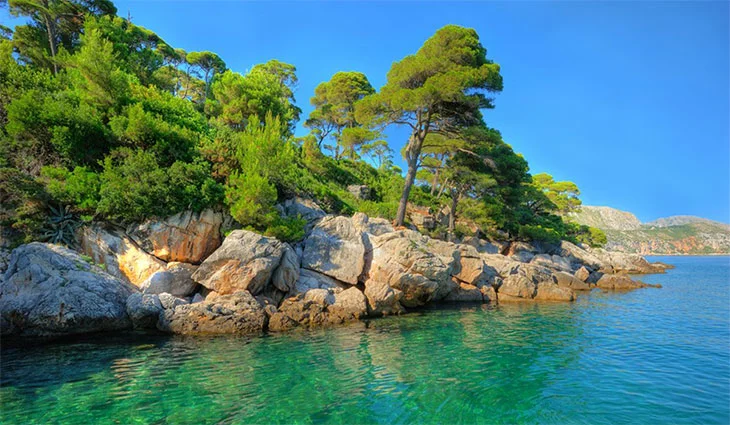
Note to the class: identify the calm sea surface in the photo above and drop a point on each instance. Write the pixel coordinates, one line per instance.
(644, 357)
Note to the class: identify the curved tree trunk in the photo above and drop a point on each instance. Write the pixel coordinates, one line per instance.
(410, 178)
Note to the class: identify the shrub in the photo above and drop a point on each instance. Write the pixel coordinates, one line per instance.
(134, 186)
(287, 229)
(251, 198)
(539, 234)
(79, 187)
(386, 210)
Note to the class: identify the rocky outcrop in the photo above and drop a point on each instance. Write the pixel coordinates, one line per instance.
(414, 264)
(176, 280)
(474, 270)
(567, 280)
(309, 280)
(51, 290)
(372, 226)
(187, 237)
(464, 292)
(302, 207)
(236, 313)
(144, 310)
(245, 261)
(335, 248)
(523, 282)
(618, 262)
(670, 235)
(319, 307)
(382, 299)
(119, 255)
(360, 191)
(621, 282)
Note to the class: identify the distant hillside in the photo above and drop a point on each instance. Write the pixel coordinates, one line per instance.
(671, 235)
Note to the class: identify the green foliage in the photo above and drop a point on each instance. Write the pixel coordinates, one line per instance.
(251, 198)
(103, 116)
(22, 203)
(61, 226)
(440, 89)
(287, 229)
(539, 233)
(562, 196)
(379, 209)
(134, 186)
(79, 187)
(263, 91)
(591, 236)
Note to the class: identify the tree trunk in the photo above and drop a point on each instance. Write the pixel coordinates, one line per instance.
(51, 39)
(413, 153)
(452, 214)
(410, 178)
(435, 181)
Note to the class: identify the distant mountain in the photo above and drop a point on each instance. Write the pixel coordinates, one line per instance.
(671, 235)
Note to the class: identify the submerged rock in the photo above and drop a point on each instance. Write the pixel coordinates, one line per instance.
(237, 313)
(621, 282)
(51, 290)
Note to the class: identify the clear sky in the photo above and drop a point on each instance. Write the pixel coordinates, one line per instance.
(630, 100)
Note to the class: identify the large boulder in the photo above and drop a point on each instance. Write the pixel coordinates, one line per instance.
(350, 303)
(304, 208)
(144, 310)
(245, 261)
(482, 246)
(473, 269)
(309, 280)
(619, 262)
(187, 237)
(554, 262)
(582, 274)
(176, 280)
(335, 247)
(51, 290)
(119, 255)
(237, 313)
(319, 307)
(579, 256)
(526, 282)
(382, 299)
(416, 265)
(372, 225)
(465, 292)
(286, 275)
(567, 280)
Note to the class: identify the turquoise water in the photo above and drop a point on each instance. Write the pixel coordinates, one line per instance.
(648, 356)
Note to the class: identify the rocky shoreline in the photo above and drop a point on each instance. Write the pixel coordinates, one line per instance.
(181, 275)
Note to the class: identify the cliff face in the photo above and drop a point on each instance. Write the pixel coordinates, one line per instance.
(606, 218)
(670, 235)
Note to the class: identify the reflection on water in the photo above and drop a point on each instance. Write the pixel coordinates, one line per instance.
(641, 357)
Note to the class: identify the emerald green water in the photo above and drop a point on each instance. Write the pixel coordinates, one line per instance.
(648, 356)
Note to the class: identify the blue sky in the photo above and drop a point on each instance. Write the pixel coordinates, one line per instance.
(627, 99)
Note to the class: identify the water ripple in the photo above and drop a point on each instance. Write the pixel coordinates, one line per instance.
(649, 356)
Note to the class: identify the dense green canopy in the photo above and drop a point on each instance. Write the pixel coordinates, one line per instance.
(101, 119)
